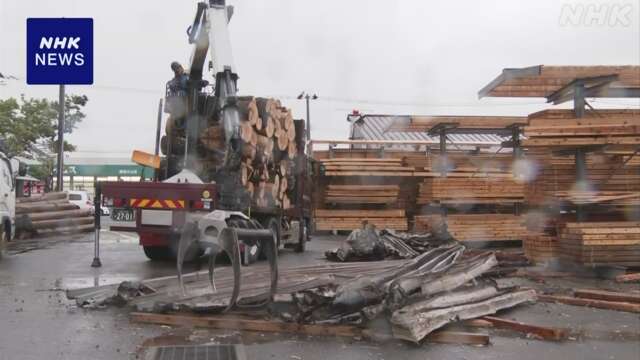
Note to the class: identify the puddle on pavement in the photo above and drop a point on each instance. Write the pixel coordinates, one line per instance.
(191, 336)
(89, 281)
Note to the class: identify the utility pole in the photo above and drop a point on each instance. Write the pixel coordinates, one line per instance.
(308, 97)
(60, 167)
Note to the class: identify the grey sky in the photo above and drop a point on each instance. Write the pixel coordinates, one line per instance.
(397, 57)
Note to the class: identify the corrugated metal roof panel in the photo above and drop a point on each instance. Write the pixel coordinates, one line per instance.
(375, 127)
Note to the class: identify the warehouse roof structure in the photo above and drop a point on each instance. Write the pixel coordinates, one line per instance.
(411, 128)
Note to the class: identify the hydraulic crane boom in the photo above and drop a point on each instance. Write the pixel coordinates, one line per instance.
(210, 32)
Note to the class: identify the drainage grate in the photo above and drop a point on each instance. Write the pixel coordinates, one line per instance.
(196, 352)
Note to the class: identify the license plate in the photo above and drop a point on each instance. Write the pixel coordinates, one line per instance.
(123, 215)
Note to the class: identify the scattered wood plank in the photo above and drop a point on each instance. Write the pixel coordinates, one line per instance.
(628, 278)
(545, 333)
(607, 295)
(600, 304)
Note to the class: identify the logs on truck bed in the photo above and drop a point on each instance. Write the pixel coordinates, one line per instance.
(50, 214)
(267, 147)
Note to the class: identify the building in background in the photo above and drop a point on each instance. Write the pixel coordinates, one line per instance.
(81, 173)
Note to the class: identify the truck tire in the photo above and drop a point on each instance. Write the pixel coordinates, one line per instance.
(274, 225)
(157, 253)
(303, 237)
(5, 237)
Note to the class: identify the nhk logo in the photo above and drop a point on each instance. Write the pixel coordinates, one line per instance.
(59, 51)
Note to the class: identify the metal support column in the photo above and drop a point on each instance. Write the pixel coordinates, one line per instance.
(581, 180)
(443, 152)
(60, 165)
(580, 154)
(158, 125)
(156, 172)
(515, 139)
(97, 200)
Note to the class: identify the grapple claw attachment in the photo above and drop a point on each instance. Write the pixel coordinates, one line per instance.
(190, 234)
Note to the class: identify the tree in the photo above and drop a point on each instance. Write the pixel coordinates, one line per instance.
(29, 125)
(30, 122)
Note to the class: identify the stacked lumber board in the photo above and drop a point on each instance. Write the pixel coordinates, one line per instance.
(483, 190)
(326, 219)
(270, 141)
(540, 246)
(556, 175)
(361, 194)
(601, 243)
(476, 227)
(560, 128)
(50, 214)
(365, 167)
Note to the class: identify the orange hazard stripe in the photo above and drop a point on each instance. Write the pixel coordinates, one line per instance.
(157, 203)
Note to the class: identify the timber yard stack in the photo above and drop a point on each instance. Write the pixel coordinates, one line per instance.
(491, 188)
(476, 227)
(611, 189)
(51, 214)
(361, 189)
(352, 219)
(271, 141)
(601, 243)
(587, 183)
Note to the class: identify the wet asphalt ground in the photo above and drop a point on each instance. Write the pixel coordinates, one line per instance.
(38, 322)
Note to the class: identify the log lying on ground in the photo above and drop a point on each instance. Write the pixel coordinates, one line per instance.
(44, 197)
(65, 230)
(50, 214)
(60, 223)
(414, 326)
(44, 206)
(64, 214)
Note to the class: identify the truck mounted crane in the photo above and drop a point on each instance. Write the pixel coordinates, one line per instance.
(185, 213)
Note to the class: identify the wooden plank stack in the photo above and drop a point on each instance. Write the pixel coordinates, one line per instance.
(366, 167)
(270, 140)
(480, 190)
(560, 128)
(352, 219)
(476, 227)
(601, 243)
(361, 194)
(51, 214)
(556, 175)
(540, 246)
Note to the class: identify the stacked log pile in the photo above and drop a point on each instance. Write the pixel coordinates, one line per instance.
(270, 142)
(51, 214)
(601, 243)
(475, 190)
(476, 227)
(352, 219)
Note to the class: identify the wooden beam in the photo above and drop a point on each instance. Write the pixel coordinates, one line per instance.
(235, 323)
(545, 333)
(607, 295)
(609, 305)
(229, 322)
(628, 278)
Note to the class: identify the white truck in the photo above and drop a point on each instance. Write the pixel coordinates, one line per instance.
(8, 173)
